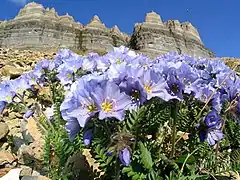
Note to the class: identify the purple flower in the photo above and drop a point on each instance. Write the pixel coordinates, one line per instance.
(117, 72)
(89, 64)
(110, 101)
(64, 54)
(2, 106)
(124, 156)
(86, 108)
(87, 137)
(44, 64)
(212, 119)
(210, 129)
(74, 64)
(28, 114)
(213, 136)
(72, 127)
(65, 76)
(49, 112)
(134, 89)
(155, 86)
(19, 85)
(68, 105)
(6, 95)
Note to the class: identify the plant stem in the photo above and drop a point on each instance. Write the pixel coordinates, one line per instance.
(185, 161)
(174, 112)
(217, 146)
(117, 170)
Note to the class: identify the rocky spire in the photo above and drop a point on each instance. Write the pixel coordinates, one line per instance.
(96, 22)
(153, 18)
(116, 30)
(31, 10)
(66, 17)
(51, 13)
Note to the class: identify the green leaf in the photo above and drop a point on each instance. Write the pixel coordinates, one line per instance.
(145, 156)
(126, 169)
(182, 158)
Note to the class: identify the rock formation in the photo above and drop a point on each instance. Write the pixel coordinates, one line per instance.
(155, 37)
(38, 28)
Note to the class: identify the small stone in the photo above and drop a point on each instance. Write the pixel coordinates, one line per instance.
(6, 157)
(11, 165)
(29, 178)
(3, 130)
(43, 178)
(14, 164)
(4, 145)
(34, 178)
(26, 171)
(35, 173)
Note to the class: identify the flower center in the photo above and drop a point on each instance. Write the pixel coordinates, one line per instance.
(75, 69)
(148, 88)
(19, 91)
(119, 61)
(175, 88)
(9, 98)
(107, 106)
(135, 94)
(92, 108)
(145, 65)
(69, 75)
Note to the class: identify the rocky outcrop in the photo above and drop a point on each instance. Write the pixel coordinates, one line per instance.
(155, 37)
(14, 62)
(38, 28)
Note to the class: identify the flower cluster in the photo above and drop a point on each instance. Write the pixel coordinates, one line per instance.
(109, 85)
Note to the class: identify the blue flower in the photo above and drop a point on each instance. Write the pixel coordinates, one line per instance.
(134, 89)
(72, 128)
(110, 101)
(44, 64)
(49, 112)
(65, 76)
(155, 86)
(2, 106)
(28, 114)
(6, 95)
(69, 104)
(73, 65)
(213, 136)
(86, 108)
(89, 64)
(176, 87)
(19, 85)
(210, 129)
(124, 156)
(87, 137)
(212, 119)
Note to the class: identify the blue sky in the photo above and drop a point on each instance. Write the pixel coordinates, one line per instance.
(218, 21)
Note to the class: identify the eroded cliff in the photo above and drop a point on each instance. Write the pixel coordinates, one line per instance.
(38, 28)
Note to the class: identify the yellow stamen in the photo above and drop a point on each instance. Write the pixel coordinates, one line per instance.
(148, 88)
(92, 108)
(107, 106)
(69, 75)
(9, 98)
(119, 61)
(74, 69)
(19, 91)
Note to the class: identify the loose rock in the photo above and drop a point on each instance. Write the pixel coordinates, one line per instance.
(6, 157)
(3, 130)
(26, 171)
